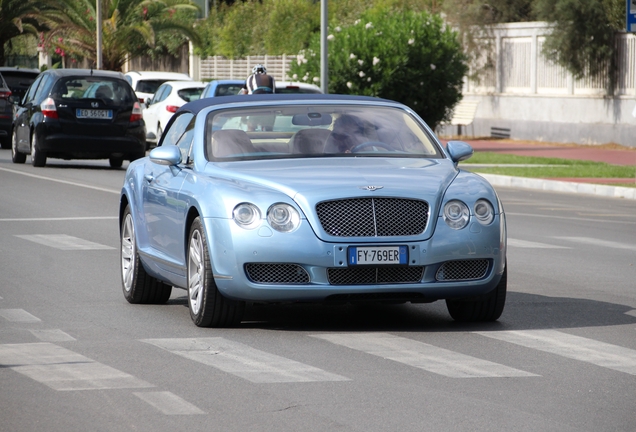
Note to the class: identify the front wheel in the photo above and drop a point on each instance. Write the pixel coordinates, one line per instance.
(208, 308)
(138, 286)
(487, 308)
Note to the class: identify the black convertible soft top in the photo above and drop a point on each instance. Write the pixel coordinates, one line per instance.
(200, 104)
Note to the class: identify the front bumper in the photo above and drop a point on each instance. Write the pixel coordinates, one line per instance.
(232, 248)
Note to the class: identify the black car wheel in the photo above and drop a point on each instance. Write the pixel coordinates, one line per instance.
(208, 308)
(116, 162)
(38, 157)
(488, 308)
(138, 286)
(16, 156)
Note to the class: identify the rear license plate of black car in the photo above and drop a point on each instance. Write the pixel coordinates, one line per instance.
(377, 255)
(94, 114)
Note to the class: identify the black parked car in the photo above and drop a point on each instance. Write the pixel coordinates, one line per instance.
(6, 112)
(12, 89)
(79, 114)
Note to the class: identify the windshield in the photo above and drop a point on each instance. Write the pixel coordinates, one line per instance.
(316, 131)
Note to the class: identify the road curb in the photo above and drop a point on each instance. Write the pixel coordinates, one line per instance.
(561, 186)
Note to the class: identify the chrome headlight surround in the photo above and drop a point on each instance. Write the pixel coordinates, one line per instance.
(283, 217)
(246, 215)
(456, 214)
(484, 211)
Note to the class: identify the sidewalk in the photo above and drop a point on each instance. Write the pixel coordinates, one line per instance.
(612, 154)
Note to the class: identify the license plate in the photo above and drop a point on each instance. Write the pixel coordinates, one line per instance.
(94, 114)
(374, 255)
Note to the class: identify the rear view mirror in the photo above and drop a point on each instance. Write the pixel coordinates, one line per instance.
(311, 119)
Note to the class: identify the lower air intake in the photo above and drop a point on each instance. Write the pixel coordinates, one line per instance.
(463, 270)
(374, 275)
(276, 273)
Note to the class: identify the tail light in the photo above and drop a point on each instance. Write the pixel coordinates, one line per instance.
(49, 110)
(136, 113)
(5, 94)
(172, 108)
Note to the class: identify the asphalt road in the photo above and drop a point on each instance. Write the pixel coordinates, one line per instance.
(75, 356)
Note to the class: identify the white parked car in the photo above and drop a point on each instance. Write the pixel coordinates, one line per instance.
(146, 83)
(166, 101)
(296, 87)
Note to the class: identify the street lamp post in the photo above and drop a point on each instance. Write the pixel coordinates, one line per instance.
(324, 28)
(98, 22)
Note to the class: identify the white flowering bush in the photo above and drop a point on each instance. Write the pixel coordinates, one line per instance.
(410, 57)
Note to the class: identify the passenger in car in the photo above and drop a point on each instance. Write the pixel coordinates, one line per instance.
(348, 131)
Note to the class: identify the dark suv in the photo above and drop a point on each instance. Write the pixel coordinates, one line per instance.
(12, 88)
(79, 114)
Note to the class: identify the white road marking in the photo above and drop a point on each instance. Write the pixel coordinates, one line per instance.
(597, 242)
(18, 315)
(530, 244)
(423, 356)
(243, 361)
(574, 347)
(64, 242)
(168, 403)
(53, 335)
(64, 370)
(53, 179)
(63, 219)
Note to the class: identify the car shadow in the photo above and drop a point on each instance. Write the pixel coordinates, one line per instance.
(522, 312)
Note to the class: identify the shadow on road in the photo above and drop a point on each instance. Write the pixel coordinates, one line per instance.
(523, 312)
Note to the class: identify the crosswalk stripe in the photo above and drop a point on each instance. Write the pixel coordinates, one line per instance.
(574, 347)
(63, 242)
(52, 335)
(534, 245)
(168, 403)
(598, 242)
(243, 361)
(18, 315)
(421, 355)
(64, 370)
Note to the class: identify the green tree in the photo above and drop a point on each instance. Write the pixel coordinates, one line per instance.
(410, 57)
(18, 17)
(129, 28)
(583, 37)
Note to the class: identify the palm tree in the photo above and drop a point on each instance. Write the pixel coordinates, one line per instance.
(129, 28)
(19, 16)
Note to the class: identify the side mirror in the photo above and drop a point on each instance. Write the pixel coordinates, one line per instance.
(15, 100)
(459, 151)
(169, 155)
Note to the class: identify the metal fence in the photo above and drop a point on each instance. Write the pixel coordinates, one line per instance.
(218, 67)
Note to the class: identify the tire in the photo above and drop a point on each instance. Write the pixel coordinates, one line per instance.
(116, 162)
(208, 308)
(16, 156)
(487, 308)
(159, 133)
(38, 158)
(138, 286)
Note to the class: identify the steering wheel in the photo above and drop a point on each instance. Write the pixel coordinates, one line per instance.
(364, 145)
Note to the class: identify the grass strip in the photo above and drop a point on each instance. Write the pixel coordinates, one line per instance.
(563, 168)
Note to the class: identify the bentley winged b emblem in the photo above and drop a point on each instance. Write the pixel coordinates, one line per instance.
(371, 188)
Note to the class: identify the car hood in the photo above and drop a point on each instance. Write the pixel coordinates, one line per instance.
(310, 181)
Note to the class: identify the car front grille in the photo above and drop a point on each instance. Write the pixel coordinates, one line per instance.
(373, 217)
(266, 273)
(463, 270)
(374, 275)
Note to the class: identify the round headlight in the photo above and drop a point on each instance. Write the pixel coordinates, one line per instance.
(456, 214)
(246, 215)
(283, 217)
(484, 212)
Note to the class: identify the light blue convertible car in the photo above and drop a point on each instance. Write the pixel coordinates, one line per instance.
(309, 198)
